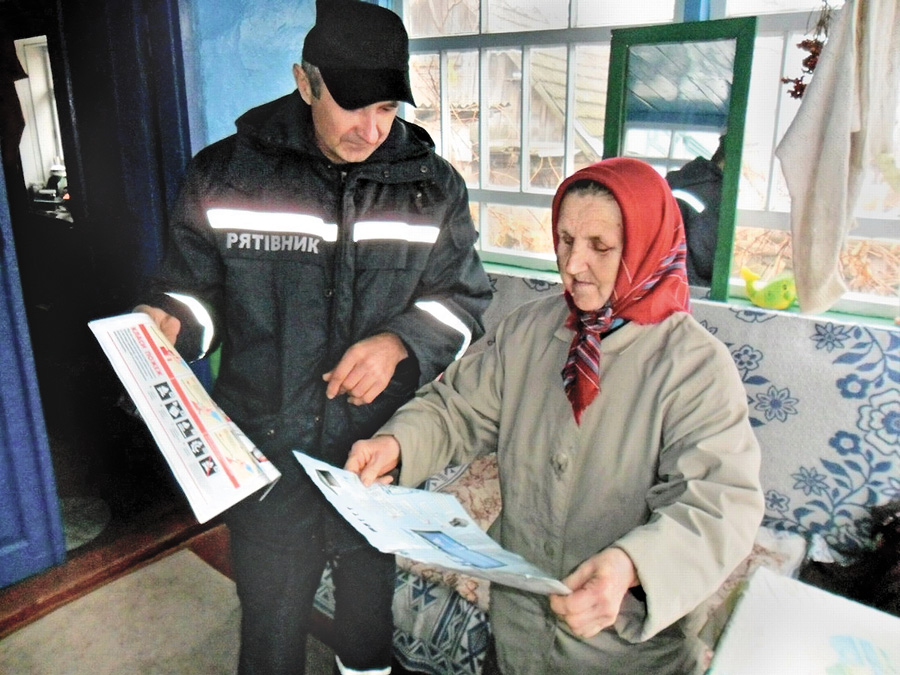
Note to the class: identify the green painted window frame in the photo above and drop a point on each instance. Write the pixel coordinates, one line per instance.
(743, 31)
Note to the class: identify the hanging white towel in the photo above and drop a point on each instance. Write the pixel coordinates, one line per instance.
(845, 121)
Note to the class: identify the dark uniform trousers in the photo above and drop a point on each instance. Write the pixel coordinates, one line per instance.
(277, 587)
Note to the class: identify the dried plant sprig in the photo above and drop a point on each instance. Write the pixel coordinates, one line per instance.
(813, 45)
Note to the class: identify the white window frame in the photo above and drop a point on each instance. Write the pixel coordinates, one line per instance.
(882, 307)
(784, 24)
(524, 195)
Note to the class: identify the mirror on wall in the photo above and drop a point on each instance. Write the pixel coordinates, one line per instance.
(677, 99)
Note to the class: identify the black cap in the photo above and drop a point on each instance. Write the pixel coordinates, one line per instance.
(362, 51)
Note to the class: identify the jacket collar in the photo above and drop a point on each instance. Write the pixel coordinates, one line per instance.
(617, 341)
(286, 124)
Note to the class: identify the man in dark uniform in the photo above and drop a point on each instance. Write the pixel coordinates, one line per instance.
(698, 188)
(330, 252)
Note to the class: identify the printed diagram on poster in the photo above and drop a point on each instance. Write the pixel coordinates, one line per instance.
(215, 464)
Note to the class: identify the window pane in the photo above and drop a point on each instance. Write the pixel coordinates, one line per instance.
(433, 18)
(779, 199)
(547, 120)
(766, 252)
(648, 144)
(518, 229)
(504, 87)
(506, 16)
(463, 150)
(869, 266)
(880, 191)
(425, 78)
(766, 96)
(598, 13)
(687, 145)
(591, 70)
(756, 7)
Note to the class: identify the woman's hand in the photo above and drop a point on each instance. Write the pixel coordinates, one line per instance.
(371, 459)
(599, 585)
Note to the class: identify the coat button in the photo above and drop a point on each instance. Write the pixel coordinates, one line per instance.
(549, 549)
(423, 169)
(329, 292)
(560, 463)
(270, 432)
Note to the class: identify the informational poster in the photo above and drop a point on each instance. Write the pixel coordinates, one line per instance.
(782, 625)
(429, 527)
(215, 464)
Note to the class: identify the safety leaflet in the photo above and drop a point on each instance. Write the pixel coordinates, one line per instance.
(215, 464)
(428, 527)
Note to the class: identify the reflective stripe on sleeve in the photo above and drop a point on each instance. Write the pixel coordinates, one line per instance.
(344, 670)
(263, 221)
(202, 317)
(446, 317)
(392, 229)
(692, 200)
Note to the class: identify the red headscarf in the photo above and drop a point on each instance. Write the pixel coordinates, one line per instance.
(652, 282)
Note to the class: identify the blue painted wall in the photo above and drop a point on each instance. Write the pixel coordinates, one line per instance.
(238, 54)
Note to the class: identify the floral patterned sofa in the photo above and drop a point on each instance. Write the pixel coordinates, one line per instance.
(824, 400)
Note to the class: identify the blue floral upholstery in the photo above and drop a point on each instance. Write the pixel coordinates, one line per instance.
(824, 401)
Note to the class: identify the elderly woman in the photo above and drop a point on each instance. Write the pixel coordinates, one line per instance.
(628, 467)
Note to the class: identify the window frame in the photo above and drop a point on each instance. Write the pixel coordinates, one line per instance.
(743, 32)
(523, 195)
(771, 24)
(860, 305)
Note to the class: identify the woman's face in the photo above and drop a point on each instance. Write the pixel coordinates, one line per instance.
(591, 239)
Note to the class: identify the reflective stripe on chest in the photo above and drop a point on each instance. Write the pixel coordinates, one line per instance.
(275, 231)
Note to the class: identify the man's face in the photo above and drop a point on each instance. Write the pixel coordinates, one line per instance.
(591, 240)
(346, 135)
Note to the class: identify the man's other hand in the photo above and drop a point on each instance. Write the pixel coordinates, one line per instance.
(366, 368)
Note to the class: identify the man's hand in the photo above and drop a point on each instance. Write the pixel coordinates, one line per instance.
(599, 585)
(366, 368)
(168, 324)
(372, 459)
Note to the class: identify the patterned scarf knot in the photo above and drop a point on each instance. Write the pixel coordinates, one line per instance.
(581, 373)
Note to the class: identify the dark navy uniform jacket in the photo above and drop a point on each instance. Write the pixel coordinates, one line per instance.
(698, 188)
(286, 259)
